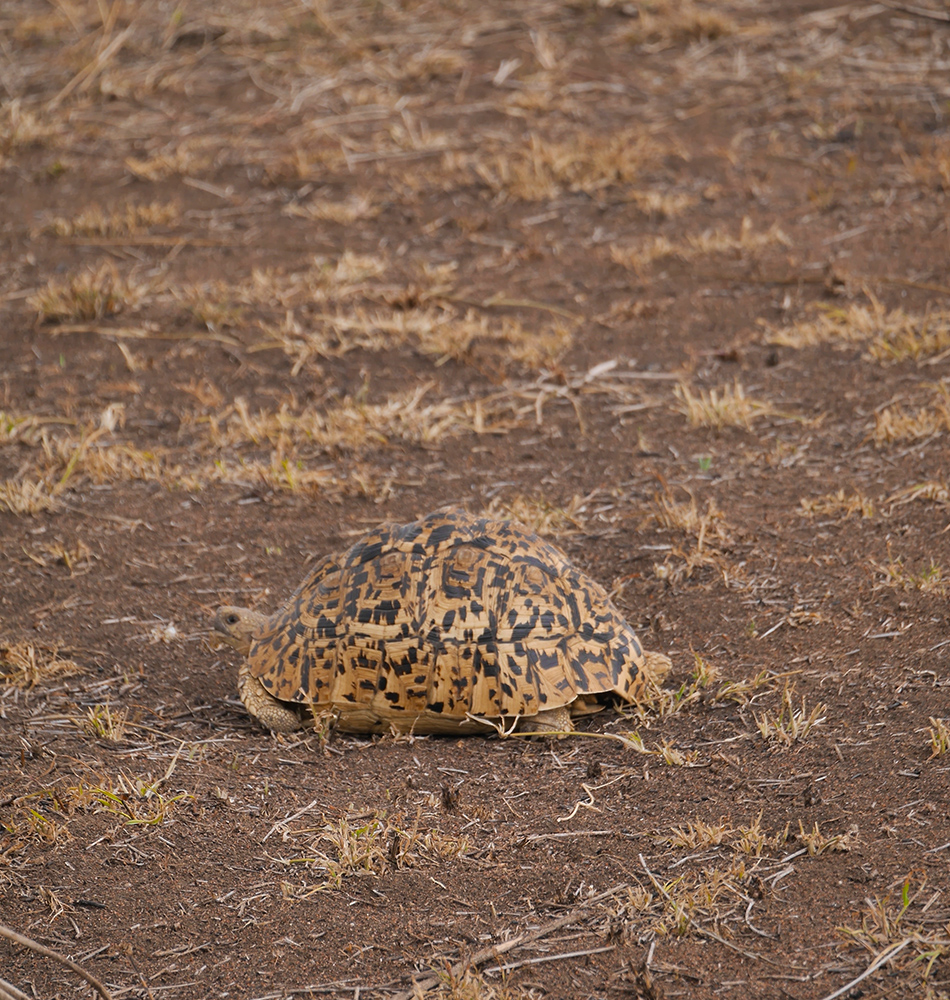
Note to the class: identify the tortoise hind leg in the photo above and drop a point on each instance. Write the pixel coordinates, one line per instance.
(552, 720)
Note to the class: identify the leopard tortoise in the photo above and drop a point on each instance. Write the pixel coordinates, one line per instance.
(450, 625)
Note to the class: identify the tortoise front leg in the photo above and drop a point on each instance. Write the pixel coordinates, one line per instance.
(274, 714)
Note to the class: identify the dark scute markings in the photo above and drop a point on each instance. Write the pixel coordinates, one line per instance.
(369, 552)
(326, 628)
(305, 664)
(441, 533)
(522, 631)
(622, 665)
(387, 612)
(410, 532)
(402, 668)
(514, 663)
(548, 659)
(574, 610)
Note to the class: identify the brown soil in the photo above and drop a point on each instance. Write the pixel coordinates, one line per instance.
(668, 282)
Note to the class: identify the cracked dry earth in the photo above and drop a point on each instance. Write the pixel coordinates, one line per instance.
(667, 283)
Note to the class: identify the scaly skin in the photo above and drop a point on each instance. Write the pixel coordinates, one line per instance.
(236, 627)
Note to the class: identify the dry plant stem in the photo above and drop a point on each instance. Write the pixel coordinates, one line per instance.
(932, 15)
(14, 936)
(511, 966)
(505, 946)
(9, 992)
(881, 959)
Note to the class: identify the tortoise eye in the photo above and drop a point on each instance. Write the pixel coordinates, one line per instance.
(232, 619)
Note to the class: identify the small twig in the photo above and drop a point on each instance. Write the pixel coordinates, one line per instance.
(499, 301)
(290, 819)
(589, 804)
(40, 949)
(141, 333)
(549, 958)
(933, 15)
(9, 992)
(89, 72)
(570, 834)
(882, 959)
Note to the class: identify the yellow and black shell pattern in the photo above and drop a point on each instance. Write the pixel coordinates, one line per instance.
(447, 617)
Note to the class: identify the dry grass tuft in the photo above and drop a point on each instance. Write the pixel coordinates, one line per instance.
(932, 490)
(896, 575)
(135, 800)
(27, 826)
(19, 127)
(538, 515)
(191, 157)
(25, 665)
(100, 721)
(26, 496)
(712, 241)
(719, 408)
(699, 834)
(707, 536)
(894, 424)
(789, 725)
(436, 331)
(931, 168)
(939, 732)
(128, 221)
(211, 304)
(661, 24)
(892, 925)
(890, 336)
(660, 205)
(675, 515)
(366, 844)
(77, 556)
(905, 337)
(87, 295)
(355, 208)
(585, 162)
(751, 839)
(837, 504)
(662, 703)
(818, 843)
(470, 985)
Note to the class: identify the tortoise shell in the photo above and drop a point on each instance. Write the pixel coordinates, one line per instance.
(430, 625)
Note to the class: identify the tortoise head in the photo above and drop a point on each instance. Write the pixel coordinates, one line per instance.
(236, 627)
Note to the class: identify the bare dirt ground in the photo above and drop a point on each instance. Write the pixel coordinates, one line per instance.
(668, 282)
